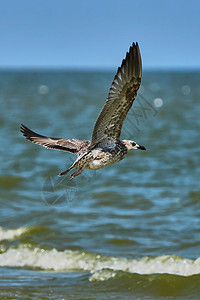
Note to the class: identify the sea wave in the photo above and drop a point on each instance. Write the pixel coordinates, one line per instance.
(16, 233)
(101, 267)
(148, 286)
(11, 234)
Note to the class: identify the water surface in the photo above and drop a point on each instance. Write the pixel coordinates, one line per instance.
(128, 231)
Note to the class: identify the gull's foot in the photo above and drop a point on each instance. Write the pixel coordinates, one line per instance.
(76, 174)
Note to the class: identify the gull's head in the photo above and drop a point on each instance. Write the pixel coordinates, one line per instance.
(131, 145)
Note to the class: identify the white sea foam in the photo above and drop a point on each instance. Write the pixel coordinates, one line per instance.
(10, 234)
(101, 267)
(103, 275)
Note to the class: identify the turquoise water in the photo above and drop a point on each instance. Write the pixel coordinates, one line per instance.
(127, 231)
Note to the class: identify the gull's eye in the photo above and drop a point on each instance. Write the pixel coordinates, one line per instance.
(133, 143)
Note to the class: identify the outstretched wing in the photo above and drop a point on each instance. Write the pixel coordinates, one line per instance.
(70, 145)
(120, 98)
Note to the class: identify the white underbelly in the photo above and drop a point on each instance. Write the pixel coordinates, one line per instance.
(102, 159)
(96, 164)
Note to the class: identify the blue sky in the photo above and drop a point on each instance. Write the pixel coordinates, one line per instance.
(97, 33)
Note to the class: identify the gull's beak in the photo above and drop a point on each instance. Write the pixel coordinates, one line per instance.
(140, 147)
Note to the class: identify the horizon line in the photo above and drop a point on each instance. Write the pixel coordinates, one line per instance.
(95, 68)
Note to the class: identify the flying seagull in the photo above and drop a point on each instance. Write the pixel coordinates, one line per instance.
(105, 147)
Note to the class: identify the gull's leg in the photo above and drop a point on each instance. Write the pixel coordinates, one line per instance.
(78, 172)
(65, 172)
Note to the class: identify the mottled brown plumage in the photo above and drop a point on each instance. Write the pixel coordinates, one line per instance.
(105, 147)
(120, 98)
(70, 145)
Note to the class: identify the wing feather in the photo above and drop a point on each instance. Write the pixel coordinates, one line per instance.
(122, 93)
(70, 145)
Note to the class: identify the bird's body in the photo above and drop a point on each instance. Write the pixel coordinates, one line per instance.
(105, 147)
(101, 157)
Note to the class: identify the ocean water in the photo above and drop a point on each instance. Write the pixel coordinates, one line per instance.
(127, 231)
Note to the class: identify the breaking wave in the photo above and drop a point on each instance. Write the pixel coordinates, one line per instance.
(11, 234)
(101, 267)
